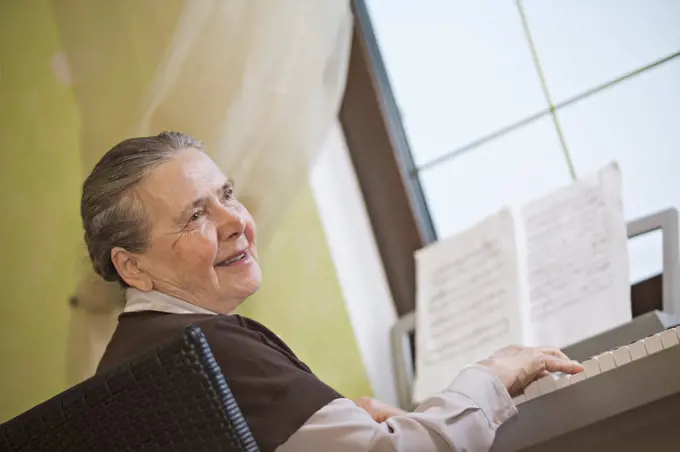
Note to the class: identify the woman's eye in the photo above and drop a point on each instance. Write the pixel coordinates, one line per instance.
(228, 195)
(196, 216)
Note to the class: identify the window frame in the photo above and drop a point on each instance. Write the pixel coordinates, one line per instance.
(380, 153)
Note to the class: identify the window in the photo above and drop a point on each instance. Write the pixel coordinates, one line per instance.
(502, 101)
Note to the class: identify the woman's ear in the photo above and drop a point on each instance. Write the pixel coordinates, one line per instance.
(127, 267)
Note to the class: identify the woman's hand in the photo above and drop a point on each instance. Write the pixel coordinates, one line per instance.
(516, 366)
(379, 411)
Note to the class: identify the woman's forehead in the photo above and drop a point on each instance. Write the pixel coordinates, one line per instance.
(188, 175)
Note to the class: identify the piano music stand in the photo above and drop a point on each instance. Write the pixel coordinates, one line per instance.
(402, 334)
(402, 356)
(667, 222)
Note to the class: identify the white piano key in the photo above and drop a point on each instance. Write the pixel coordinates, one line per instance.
(576, 378)
(519, 399)
(669, 338)
(591, 367)
(637, 350)
(653, 344)
(606, 361)
(546, 384)
(532, 390)
(562, 382)
(621, 356)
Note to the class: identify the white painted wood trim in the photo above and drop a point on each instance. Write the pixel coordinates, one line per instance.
(357, 261)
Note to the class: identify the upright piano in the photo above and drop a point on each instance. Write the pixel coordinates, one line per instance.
(628, 397)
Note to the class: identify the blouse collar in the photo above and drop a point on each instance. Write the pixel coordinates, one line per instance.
(137, 301)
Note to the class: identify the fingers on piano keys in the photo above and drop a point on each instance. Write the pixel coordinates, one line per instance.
(562, 381)
(602, 363)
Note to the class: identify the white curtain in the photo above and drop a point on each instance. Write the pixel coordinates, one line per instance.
(258, 81)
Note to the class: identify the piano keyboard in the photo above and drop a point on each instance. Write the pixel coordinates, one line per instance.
(626, 399)
(602, 363)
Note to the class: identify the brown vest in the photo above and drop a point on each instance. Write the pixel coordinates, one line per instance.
(276, 392)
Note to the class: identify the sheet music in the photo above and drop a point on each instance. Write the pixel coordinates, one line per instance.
(577, 260)
(467, 305)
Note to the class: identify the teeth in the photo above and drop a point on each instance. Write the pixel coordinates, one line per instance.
(235, 259)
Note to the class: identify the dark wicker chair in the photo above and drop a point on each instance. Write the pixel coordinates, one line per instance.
(174, 398)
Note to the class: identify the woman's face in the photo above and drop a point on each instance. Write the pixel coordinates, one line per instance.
(202, 239)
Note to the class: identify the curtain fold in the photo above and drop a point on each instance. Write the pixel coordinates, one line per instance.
(259, 82)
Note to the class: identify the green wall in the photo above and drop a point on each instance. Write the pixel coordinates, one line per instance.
(41, 168)
(40, 175)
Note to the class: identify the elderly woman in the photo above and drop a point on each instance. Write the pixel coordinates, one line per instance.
(162, 219)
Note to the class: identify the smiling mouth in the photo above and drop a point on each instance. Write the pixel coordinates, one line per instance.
(233, 260)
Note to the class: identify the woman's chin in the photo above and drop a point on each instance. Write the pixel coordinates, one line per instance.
(240, 281)
(250, 287)
(243, 288)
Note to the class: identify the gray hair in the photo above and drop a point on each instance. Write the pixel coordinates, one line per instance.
(111, 214)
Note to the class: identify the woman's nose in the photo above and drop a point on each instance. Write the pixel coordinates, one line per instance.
(231, 224)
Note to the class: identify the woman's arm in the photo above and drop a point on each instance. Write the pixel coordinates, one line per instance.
(463, 417)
